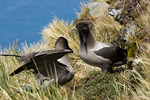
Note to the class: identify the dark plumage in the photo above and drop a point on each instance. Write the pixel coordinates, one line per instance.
(35, 59)
(114, 53)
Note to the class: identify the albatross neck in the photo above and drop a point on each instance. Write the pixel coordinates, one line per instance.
(65, 60)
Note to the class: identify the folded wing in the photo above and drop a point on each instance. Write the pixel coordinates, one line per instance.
(113, 53)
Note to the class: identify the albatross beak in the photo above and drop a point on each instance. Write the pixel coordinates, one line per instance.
(70, 50)
(84, 41)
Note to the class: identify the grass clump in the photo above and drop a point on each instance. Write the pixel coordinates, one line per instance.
(98, 86)
(141, 74)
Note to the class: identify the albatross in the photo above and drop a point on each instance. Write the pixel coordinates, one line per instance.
(49, 65)
(103, 55)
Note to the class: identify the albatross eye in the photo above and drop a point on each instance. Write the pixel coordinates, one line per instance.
(84, 28)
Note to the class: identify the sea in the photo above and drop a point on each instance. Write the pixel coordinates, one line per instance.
(24, 20)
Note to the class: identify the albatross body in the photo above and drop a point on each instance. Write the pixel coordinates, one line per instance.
(103, 55)
(61, 70)
(49, 65)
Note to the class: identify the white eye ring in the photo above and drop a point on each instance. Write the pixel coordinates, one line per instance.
(84, 28)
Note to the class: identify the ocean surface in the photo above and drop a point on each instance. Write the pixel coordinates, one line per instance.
(25, 19)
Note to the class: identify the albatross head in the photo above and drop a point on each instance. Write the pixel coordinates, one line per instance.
(83, 29)
(62, 44)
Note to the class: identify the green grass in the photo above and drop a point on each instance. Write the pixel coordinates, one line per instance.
(98, 86)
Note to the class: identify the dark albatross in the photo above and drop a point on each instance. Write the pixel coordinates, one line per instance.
(49, 65)
(103, 55)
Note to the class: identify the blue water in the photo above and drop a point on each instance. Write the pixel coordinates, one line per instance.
(24, 19)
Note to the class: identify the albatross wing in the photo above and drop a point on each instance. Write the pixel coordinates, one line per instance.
(113, 53)
(40, 58)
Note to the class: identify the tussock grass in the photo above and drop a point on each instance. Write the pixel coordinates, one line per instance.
(104, 28)
(136, 82)
(88, 83)
(10, 87)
